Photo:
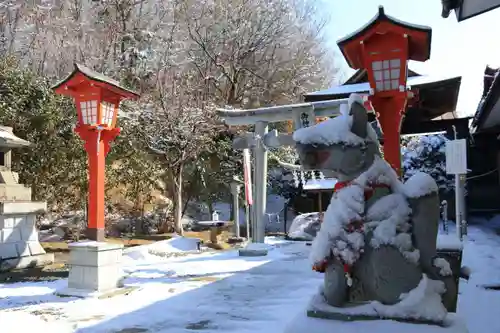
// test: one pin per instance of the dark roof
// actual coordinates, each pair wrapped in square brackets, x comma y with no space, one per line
[95,76]
[382,16]
[458,7]
[491,94]
[416,81]
[437,99]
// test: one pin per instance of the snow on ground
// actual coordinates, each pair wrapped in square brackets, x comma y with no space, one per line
[480,306]
[222,292]
[150,252]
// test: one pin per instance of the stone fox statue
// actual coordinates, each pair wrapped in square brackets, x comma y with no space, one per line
[378,236]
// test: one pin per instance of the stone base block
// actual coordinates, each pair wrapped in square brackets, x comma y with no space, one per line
[303,323]
[82,293]
[40,260]
[416,312]
[95,267]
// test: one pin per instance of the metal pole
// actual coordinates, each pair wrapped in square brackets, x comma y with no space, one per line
[459,197]
[444,215]
[260,182]
[235,188]
[460,204]
[253,216]
[247,219]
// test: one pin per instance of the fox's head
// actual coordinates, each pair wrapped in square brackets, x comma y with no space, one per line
[342,147]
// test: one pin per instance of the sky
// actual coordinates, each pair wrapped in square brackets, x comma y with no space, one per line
[458,49]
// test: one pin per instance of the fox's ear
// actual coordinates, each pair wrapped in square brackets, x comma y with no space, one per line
[359,115]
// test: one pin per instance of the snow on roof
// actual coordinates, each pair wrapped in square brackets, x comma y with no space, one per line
[319,184]
[8,139]
[365,87]
[313,180]
[449,242]
[381,15]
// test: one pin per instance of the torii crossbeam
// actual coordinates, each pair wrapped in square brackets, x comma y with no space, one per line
[302,115]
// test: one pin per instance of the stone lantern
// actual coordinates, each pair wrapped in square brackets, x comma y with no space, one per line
[383,47]
[19,245]
[95,264]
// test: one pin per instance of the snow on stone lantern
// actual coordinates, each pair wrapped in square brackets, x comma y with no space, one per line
[97,99]
[383,47]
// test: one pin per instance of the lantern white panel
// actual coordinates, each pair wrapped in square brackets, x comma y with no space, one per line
[395,63]
[377,65]
[93,105]
[83,111]
[395,73]
[387,74]
[107,111]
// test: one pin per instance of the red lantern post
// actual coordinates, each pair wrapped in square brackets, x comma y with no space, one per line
[383,47]
[97,101]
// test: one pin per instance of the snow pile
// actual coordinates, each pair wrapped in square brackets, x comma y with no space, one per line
[419,185]
[176,244]
[173,245]
[335,130]
[11,323]
[443,265]
[389,218]
[346,206]
[423,302]
[449,242]
[305,226]
[259,246]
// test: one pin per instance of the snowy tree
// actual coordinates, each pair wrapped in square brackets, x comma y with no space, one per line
[184,57]
[427,154]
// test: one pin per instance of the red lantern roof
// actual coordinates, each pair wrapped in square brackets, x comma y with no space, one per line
[82,78]
[419,38]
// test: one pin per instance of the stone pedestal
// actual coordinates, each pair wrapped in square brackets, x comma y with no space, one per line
[302,323]
[95,269]
[19,245]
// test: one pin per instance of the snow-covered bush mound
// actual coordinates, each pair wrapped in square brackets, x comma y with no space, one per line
[305,226]
[176,245]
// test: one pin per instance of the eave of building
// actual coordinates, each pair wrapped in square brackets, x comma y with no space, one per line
[472,9]
[487,116]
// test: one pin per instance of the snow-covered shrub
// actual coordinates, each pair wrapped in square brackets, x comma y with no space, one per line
[427,154]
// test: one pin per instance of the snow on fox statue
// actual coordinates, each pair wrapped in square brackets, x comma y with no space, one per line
[378,236]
